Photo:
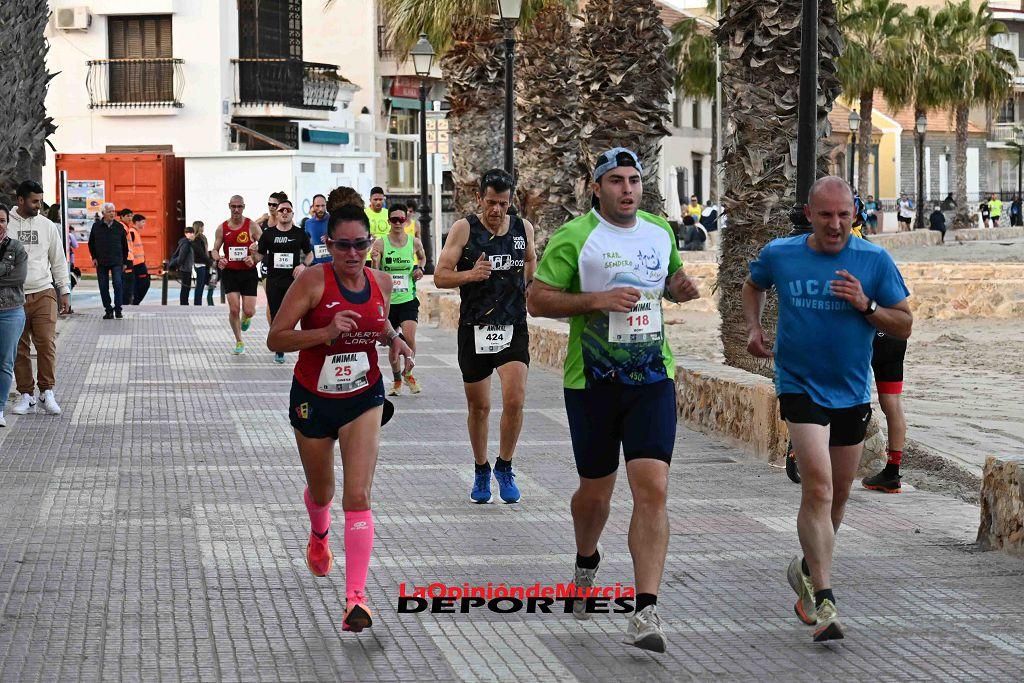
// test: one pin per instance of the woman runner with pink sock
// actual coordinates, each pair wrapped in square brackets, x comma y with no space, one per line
[338,394]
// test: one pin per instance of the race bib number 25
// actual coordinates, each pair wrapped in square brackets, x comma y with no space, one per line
[343,373]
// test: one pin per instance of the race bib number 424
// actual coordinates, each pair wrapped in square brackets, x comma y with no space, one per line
[492,338]
[642,324]
[343,373]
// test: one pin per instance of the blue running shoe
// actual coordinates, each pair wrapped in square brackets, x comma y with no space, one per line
[507,485]
[482,487]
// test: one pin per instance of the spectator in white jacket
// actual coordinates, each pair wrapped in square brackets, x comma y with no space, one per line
[47,281]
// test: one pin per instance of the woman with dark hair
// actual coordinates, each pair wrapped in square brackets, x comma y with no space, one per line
[13,271]
[338,393]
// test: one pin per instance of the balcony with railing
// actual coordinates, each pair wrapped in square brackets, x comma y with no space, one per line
[135,85]
[285,88]
[1006,132]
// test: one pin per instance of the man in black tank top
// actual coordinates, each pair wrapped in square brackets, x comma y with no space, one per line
[490,257]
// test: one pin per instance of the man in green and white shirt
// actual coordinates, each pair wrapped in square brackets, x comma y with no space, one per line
[609,271]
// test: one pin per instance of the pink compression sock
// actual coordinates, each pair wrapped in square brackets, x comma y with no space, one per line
[358,547]
[319,515]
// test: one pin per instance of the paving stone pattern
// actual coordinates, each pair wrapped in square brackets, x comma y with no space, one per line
[156,531]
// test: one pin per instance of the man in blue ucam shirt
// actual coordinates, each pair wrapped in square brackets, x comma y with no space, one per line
[316,227]
[834,292]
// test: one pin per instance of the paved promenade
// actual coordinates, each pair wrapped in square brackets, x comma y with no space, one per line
[156,530]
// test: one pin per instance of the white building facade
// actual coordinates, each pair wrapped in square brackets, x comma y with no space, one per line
[237,89]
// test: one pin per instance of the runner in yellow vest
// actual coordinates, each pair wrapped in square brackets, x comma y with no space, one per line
[397,253]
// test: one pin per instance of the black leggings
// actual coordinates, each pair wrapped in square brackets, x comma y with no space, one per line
[276,289]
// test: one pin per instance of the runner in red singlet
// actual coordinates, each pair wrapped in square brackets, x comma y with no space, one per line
[337,393]
[238,236]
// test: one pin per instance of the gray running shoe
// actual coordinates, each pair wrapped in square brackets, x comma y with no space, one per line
[644,630]
[583,578]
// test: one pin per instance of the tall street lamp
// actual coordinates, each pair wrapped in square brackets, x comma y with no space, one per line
[807,112]
[422,59]
[921,125]
[1018,137]
[508,12]
[854,126]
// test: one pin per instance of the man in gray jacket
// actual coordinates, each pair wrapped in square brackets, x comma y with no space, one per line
[47,280]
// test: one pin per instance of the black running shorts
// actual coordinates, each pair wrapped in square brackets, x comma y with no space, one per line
[887,363]
[477,367]
[316,417]
[604,417]
[400,313]
[847,425]
[244,282]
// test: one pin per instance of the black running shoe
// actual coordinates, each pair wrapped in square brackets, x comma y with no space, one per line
[792,470]
[886,482]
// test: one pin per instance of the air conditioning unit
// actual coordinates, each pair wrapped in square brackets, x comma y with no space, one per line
[73,19]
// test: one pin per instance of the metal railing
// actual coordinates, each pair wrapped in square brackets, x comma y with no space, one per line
[384,48]
[1006,132]
[128,83]
[290,82]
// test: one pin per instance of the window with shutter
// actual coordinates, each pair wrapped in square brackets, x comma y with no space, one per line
[140,49]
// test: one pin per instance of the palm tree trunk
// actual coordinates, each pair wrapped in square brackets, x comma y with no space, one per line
[714,153]
[547,122]
[864,142]
[962,219]
[23,80]
[625,101]
[760,40]
[473,70]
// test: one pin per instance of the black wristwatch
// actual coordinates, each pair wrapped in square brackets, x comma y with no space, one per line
[870,310]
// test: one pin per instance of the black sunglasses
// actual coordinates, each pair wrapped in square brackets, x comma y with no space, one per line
[272,206]
[396,220]
[344,245]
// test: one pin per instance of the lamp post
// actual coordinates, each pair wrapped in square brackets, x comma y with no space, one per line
[508,13]
[422,59]
[807,113]
[1018,135]
[854,126]
[921,125]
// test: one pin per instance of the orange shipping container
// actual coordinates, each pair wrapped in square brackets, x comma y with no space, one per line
[150,184]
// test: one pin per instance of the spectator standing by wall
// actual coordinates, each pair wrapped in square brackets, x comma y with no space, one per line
[108,245]
[182,261]
[13,271]
[201,259]
[140,272]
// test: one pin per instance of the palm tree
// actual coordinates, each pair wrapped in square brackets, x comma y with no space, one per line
[873,30]
[625,82]
[23,80]
[692,50]
[976,72]
[547,120]
[472,65]
[760,43]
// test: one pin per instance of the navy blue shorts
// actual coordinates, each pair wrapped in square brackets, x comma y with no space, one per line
[316,417]
[641,420]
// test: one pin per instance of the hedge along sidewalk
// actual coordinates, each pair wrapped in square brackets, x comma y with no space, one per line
[731,404]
